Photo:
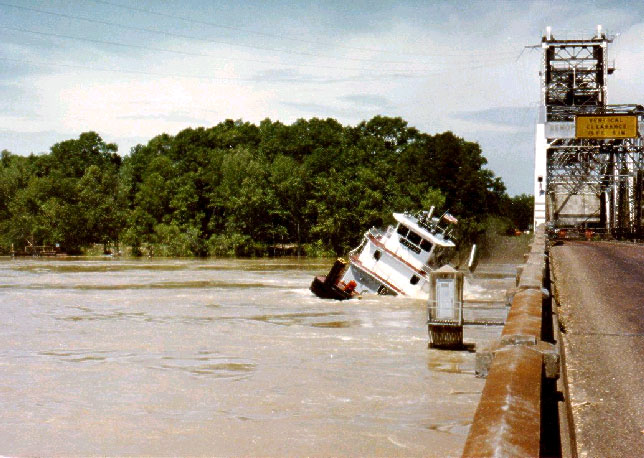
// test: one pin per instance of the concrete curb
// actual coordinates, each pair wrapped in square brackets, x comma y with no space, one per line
[566,420]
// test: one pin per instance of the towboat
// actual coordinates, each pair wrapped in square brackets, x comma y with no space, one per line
[394,262]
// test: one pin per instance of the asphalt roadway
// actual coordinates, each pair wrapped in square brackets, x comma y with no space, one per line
[600,290]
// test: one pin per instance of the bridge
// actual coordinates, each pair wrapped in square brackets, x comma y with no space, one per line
[565,379]
[589,166]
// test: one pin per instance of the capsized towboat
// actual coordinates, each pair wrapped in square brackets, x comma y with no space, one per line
[396,261]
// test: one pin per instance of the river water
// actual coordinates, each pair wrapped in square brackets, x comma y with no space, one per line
[222,357]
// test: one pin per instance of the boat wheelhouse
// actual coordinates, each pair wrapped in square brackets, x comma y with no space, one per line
[395,261]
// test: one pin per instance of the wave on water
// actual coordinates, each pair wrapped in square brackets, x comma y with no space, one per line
[155,285]
[98,267]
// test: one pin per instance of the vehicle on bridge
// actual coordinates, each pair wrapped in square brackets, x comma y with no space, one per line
[392,262]
[556,233]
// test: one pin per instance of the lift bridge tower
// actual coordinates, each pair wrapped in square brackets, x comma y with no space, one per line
[589,156]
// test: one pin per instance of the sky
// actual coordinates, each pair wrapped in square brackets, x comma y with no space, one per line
[133,69]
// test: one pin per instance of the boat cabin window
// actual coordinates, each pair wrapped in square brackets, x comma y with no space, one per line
[414,238]
[376,255]
[414,279]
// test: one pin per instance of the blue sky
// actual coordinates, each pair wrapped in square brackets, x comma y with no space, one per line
[133,69]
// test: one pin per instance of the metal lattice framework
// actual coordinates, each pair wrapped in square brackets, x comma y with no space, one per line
[590,183]
[575,75]
[609,173]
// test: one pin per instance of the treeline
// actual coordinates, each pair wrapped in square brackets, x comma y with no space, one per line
[243,189]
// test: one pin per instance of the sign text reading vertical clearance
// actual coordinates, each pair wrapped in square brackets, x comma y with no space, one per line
[613,126]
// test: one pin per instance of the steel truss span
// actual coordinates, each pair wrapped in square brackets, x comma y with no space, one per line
[590,183]
[596,185]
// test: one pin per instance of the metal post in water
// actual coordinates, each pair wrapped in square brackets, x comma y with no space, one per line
[445,308]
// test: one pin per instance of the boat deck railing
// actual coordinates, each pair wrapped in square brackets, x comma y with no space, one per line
[378,233]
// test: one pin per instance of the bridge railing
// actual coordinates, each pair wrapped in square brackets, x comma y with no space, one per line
[507,421]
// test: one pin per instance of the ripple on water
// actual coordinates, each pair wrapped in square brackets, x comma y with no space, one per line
[460,428]
[304,318]
[201,363]
[194,284]
[78,356]
[451,363]
[207,365]
[93,316]
[96,266]
[336,324]
[143,317]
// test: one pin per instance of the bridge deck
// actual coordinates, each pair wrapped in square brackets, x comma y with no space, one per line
[600,289]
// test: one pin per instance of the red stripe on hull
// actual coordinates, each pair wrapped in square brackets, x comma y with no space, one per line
[380,245]
[359,265]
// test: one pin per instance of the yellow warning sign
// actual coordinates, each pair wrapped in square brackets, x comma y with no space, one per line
[612,126]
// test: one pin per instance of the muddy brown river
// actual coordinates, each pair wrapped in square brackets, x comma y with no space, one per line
[223,357]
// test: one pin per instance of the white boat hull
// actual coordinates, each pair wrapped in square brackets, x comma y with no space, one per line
[396,261]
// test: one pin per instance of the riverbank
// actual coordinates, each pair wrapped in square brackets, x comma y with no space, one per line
[494,248]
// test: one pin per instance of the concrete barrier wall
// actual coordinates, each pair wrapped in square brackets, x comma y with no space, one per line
[524,321]
[507,421]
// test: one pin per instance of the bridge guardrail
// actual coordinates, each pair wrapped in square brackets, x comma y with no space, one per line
[507,421]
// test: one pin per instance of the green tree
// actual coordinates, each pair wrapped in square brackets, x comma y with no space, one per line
[100,205]
[521,211]
[72,157]
[240,188]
